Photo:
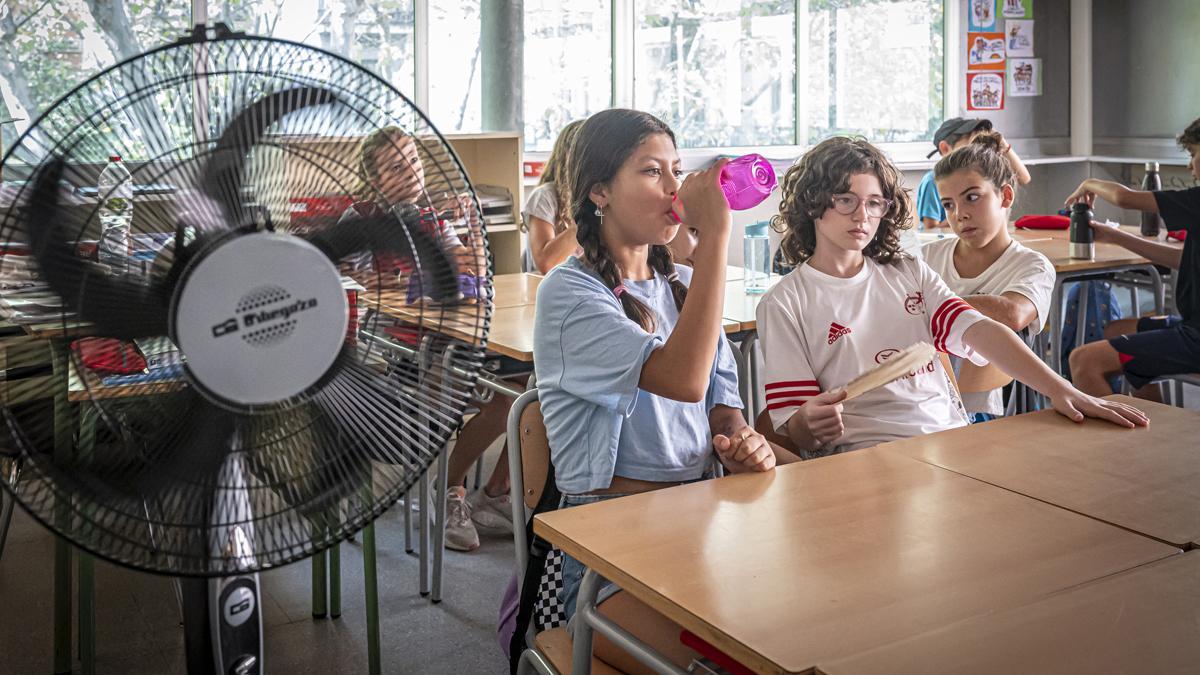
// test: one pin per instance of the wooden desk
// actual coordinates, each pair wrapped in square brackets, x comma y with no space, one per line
[1144,480]
[828,558]
[515,290]
[1140,621]
[741,306]
[1107,256]
[87,387]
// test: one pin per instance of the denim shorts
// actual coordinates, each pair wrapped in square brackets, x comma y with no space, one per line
[572,569]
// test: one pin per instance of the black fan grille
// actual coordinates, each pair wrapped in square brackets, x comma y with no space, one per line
[159,476]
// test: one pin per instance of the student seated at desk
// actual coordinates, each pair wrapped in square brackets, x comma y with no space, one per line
[636,381]
[545,216]
[395,174]
[854,300]
[1150,347]
[985,266]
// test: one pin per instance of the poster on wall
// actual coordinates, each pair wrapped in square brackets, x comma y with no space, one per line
[1016,9]
[1024,77]
[981,15]
[985,91]
[1020,37]
[985,51]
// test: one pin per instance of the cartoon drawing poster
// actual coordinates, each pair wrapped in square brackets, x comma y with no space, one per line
[1020,37]
[985,51]
[985,91]
[1016,9]
[981,15]
[1024,77]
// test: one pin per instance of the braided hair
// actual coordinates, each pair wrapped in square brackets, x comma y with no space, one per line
[604,142]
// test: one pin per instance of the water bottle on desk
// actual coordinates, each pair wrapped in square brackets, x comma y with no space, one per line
[757,257]
[114,188]
[1151,222]
[1083,246]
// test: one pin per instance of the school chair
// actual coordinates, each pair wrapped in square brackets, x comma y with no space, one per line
[1171,387]
[973,379]
[549,652]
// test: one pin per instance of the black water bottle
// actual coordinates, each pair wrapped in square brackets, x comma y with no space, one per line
[1083,246]
[1151,222]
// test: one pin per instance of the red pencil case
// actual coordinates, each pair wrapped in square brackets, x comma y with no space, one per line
[109,355]
[1043,222]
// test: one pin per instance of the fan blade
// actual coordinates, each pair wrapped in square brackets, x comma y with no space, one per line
[118,307]
[223,172]
[402,232]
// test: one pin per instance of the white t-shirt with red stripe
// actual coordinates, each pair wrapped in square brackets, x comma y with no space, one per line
[818,332]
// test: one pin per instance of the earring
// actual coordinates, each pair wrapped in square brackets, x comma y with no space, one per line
[600,214]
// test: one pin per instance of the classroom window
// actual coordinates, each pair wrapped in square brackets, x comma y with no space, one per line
[455,65]
[568,65]
[46,48]
[720,72]
[874,68]
[379,34]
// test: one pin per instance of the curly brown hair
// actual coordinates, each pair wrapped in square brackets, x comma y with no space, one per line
[824,171]
[1190,135]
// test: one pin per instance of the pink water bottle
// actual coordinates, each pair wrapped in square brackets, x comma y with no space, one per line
[747,181]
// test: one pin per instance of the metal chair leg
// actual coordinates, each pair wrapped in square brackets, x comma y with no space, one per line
[408,527]
[423,528]
[439,530]
[371,586]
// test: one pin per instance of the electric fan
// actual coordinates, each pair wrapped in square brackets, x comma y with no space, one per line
[275,429]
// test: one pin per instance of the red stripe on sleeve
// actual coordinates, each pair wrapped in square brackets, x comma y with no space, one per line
[793,383]
[790,403]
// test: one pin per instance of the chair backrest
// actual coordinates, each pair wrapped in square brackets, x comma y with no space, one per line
[528,463]
[978,379]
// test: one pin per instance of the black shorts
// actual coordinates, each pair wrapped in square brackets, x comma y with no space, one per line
[1162,345]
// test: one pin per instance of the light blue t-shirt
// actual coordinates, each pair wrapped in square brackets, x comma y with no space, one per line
[929,203]
[588,359]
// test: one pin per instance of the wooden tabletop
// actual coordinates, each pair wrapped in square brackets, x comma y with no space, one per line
[88,387]
[1141,621]
[825,559]
[515,290]
[1144,480]
[740,306]
[1107,256]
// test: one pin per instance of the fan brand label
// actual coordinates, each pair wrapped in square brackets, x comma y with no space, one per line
[264,316]
[263,323]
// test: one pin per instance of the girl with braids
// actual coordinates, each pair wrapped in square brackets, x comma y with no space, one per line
[546,215]
[994,273]
[854,300]
[636,381]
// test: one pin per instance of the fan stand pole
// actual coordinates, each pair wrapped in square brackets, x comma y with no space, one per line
[197,631]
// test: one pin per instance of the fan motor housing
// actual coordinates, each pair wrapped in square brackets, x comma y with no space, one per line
[248,306]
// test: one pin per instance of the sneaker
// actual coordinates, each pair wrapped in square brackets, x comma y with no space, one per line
[493,513]
[460,531]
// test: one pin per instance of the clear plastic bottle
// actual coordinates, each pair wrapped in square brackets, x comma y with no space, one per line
[757,257]
[115,191]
